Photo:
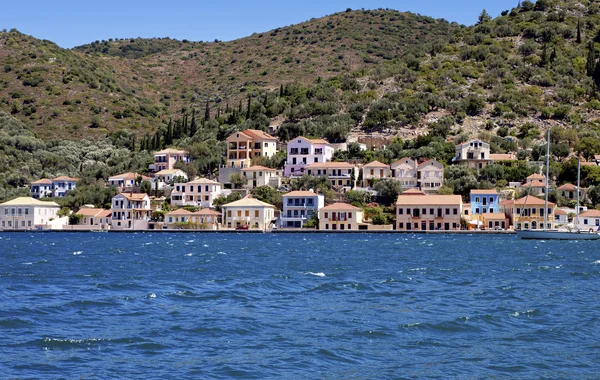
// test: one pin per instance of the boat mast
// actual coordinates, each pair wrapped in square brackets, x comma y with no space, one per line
[547,174]
[578,180]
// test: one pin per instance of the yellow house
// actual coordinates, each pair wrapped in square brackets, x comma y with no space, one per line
[342,175]
[261,176]
[375,170]
[420,212]
[340,217]
[248,213]
[243,146]
[528,213]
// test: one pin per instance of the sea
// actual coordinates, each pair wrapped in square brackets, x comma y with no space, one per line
[297,306]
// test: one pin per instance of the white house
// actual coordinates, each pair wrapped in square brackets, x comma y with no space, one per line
[93,219]
[375,171]
[405,171]
[342,175]
[474,153]
[302,152]
[589,219]
[430,176]
[130,211]
[165,159]
[126,181]
[299,207]
[41,188]
[200,192]
[57,187]
[261,176]
[164,177]
[26,213]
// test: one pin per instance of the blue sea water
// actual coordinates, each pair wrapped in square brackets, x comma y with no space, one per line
[285,306]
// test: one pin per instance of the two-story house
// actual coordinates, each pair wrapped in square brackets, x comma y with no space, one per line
[529,213]
[374,171]
[127,181]
[248,213]
[430,176]
[261,176]
[130,211]
[243,146]
[200,192]
[484,201]
[474,153]
[302,152]
[299,207]
[41,188]
[164,177]
[416,211]
[589,219]
[405,171]
[166,159]
[26,213]
[569,191]
[340,217]
[93,219]
[342,175]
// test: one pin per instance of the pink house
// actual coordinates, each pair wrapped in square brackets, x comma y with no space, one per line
[302,152]
[165,159]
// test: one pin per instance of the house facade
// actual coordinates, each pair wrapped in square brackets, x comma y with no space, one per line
[130,211]
[243,146]
[261,176]
[26,213]
[475,154]
[93,219]
[416,211]
[589,219]
[57,187]
[340,217]
[126,181]
[200,192]
[302,152]
[484,201]
[405,171]
[430,176]
[41,188]
[374,171]
[342,175]
[206,219]
[529,213]
[166,159]
[164,178]
[248,213]
[299,207]
[569,191]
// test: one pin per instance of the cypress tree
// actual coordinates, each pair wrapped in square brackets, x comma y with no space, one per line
[591,59]
[133,143]
[207,112]
[578,31]
[240,107]
[227,110]
[218,112]
[193,125]
[248,109]
[596,75]
[169,136]
[281,90]
[266,99]
[553,55]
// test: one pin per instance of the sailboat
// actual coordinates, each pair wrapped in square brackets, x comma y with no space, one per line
[558,234]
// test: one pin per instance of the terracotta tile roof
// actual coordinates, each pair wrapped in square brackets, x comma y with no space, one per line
[596,156]
[590,214]
[536,176]
[169,171]
[257,134]
[502,157]
[134,196]
[204,181]
[412,191]
[535,183]
[560,211]
[341,207]
[318,141]
[256,168]
[43,181]
[568,187]
[89,211]
[104,214]
[65,178]
[376,164]
[405,160]
[170,151]
[484,191]
[429,163]
[123,176]
[28,201]
[326,165]
[300,193]
[442,200]
[588,164]
[206,211]
[494,216]
[531,200]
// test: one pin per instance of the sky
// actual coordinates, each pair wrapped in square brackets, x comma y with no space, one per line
[71,23]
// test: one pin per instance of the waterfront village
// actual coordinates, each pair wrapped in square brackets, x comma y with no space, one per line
[172,201]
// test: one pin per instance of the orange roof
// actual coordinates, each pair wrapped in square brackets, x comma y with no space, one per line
[502,157]
[134,196]
[207,211]
[90,211]
[531,200]
[341,207]
[65,178]
[257,134]
[124,176]
[412,191]
[494,216]
[536,176]
[591,214]
[104,214]
[568,187]
[560,211]
[442,200]
[536,183]
[429,162]
[340,165]
[256,168]
[43,181]
[588,164]
[376,164]
[178,212]
[318,141]
[484,191]
[300,193]
[203,181]
[405,160]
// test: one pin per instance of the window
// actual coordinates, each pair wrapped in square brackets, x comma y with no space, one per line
[400,226]
[476,199]
[349,215]
[455,211]
[256,212]
[349,226]
[424,211]
[476,210]
[400,211]
[326,215]
[326,226]
[447,211]
[229,213]
[247,213]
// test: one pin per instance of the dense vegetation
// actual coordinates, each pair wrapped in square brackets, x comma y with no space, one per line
[415,84]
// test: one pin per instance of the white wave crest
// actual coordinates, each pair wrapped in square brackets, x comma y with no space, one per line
[77,252]
[318,274]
